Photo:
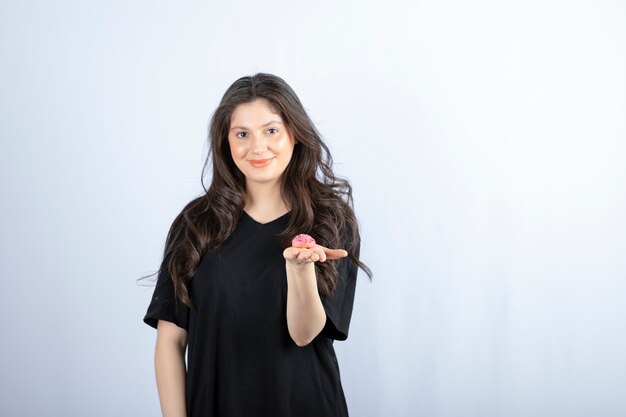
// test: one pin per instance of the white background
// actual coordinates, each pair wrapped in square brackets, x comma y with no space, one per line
[485,142]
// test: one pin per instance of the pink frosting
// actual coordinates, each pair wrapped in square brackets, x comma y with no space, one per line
[303,241]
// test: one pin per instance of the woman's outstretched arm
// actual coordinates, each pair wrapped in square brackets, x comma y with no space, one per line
[169,365]
[306,316]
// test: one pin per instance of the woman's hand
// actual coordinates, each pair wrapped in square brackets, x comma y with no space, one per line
[319,253]
[306,316]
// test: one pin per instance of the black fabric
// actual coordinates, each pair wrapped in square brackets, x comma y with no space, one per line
[241,360]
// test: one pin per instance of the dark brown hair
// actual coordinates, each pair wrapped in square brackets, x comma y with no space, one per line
[320,203]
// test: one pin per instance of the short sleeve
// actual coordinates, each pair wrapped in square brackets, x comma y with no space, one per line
[163,305]
[338,305]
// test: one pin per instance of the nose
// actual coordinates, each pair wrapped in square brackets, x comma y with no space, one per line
[259,144]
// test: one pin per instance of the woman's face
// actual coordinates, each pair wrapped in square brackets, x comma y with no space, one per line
[259,142]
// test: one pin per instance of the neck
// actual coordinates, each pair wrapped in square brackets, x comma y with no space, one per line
[264,198]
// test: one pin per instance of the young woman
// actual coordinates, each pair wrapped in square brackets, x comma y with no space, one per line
[256,315]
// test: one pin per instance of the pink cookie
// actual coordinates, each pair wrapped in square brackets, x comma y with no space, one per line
[303,241]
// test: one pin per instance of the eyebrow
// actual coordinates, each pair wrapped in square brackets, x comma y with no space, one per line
[266,124]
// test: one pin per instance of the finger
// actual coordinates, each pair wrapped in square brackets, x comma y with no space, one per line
[325,249]
[335,253]
[316,255]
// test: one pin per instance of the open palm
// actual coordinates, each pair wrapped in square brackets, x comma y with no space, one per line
[308,255]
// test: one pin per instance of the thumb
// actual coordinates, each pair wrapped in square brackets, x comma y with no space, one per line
[336,253]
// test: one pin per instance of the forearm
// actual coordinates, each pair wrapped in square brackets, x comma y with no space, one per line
[169,364]
[305,313]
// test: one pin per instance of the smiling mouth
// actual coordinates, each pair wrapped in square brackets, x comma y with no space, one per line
[260,162]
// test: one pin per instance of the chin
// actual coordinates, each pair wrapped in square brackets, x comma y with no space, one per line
[262,178]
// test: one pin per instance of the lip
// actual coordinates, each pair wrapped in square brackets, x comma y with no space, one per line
[258,163]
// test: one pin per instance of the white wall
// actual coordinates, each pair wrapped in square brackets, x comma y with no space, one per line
[485,142]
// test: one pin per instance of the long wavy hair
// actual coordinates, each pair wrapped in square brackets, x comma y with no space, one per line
[320,203]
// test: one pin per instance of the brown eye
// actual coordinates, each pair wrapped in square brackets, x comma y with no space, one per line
[237,135]
[272,128]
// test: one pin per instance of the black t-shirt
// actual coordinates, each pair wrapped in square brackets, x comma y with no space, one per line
[241,361]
